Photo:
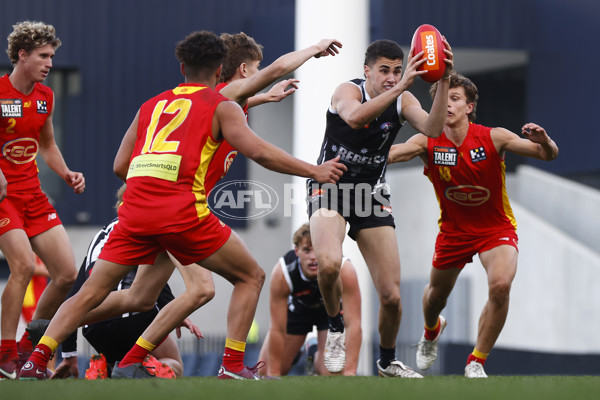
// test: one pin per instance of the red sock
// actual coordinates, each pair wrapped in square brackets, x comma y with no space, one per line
[137,354]
[41,355]
[431,334]
[8,350]
[24,345]
[473,358]
[233,360]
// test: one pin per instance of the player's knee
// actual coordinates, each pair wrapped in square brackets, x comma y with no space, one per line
[390,300]
[500,291]
[329,272]
[64,281]
[143,304]
[21,270]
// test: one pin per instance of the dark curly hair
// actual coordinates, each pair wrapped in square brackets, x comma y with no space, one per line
[28,36]
[201,52]
[458,80]
[241,48]
[383,48]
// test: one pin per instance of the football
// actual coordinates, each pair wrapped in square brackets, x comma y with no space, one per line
[428,39]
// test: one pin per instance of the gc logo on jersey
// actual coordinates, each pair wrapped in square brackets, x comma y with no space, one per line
[20,151]
[11,108]
[42,106]
[477,154]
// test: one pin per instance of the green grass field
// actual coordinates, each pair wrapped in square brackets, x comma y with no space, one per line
[301,387]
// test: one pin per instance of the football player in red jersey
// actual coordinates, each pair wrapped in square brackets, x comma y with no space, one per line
[28,222]
[163,157]
[466,167]
[241,80]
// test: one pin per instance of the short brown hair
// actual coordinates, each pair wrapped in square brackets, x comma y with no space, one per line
[29,35]
[458,80]
[241,48]
[300,234]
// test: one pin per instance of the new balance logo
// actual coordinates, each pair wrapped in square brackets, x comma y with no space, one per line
[51,216]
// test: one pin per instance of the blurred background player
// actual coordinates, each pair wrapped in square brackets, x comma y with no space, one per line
[30,224]
[465,159]
[160,135]
[296,306]
[363,119]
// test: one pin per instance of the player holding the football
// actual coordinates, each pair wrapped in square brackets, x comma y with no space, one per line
[362,121]
[28,222]
[468,160]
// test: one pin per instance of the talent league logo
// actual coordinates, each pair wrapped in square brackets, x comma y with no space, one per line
[11,108]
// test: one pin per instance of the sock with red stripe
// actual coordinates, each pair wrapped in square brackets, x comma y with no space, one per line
[138,352]
[432,333]
[478,356]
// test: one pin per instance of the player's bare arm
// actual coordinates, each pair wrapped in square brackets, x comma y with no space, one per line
[413,147]
[278,92]
[230,120]
[53,157]
[121,163]
[347,98]
[241,89]
[536,144]
[279,292]
[351,301]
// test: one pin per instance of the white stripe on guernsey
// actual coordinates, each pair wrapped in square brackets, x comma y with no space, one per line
[286,274]
[98,243]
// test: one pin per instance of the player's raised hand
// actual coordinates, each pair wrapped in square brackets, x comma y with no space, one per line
[282,89]
[328,47]
[330,171]
[535,133]
[449,60]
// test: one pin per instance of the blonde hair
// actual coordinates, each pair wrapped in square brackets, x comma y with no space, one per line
[302,233]
[29,35]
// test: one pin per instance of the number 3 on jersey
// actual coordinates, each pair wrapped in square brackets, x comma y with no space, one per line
[156,142]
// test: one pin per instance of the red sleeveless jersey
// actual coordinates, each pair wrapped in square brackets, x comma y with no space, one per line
[168,168]
[21,120]
[223,157]
[469,182]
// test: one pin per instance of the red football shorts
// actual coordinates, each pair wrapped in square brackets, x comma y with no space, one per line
[191,245]
[31,212]
[455,251]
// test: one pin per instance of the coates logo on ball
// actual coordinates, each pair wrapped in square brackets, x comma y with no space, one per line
[428,39]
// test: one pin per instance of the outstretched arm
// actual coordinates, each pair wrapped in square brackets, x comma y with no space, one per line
[431,124]
[413,147]
[230,120]
[242,89]
[536,144]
